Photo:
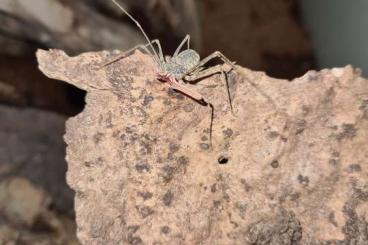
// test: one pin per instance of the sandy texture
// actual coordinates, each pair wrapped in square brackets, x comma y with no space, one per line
[293,157]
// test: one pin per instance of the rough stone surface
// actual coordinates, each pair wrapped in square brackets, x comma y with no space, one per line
[289,167]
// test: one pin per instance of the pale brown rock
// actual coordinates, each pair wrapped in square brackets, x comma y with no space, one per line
[294,156]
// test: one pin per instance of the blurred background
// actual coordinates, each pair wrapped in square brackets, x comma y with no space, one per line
[283,38]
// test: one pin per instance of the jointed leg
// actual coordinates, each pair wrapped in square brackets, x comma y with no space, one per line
[215,54]
[186,39]
[157,42]
[198,97]
[141,47]
[200,73]
[174,84]
[211,121]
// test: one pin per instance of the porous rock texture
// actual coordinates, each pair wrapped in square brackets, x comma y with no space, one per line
[288,167]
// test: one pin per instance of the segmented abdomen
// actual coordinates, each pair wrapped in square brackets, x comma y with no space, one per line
[188,59]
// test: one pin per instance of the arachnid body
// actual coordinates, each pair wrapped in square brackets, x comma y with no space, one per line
[183,66]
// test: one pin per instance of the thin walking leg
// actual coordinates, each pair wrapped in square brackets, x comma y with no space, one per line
[215,54]
[186,39]
[199,74]
[211,122]
[139,47]
[174,84]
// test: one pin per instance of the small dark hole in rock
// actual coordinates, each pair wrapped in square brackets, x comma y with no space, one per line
[275,164]
[223,160]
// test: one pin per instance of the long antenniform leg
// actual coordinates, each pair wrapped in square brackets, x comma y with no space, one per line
[139,47]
